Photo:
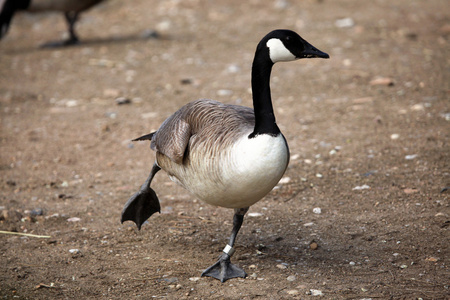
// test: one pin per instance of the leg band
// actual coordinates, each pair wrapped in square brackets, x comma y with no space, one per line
[229,250]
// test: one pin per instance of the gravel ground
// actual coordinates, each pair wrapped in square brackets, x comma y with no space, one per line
[361,213]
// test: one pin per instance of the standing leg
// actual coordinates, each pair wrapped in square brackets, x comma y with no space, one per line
[71,18]
[223,269]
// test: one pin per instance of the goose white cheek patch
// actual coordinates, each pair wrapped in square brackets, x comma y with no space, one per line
[278,52]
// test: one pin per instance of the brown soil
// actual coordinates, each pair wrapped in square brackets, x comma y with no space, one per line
[375,115]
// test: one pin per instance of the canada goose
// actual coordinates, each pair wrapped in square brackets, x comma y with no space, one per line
[225,155]
[70,8]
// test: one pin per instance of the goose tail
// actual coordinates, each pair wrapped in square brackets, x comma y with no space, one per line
[145,137]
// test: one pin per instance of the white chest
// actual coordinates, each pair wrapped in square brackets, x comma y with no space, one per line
[243,174]
[259,159]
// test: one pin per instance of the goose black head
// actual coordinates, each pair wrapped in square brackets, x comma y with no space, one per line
[286,45]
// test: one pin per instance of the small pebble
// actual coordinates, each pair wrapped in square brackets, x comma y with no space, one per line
[313,245]
[171,279]
[255,214]
[410,191]
[291,278]
[292,292]
[411,156]
[186,81]
[37,212]
[352,263]
[317,210]
[71,103]
[122,101]
[281,266]
[418,107]
[347,62]
[316,292]
[233,69]
[74,251]
[382,81]
[344,23]
[111,115]
[284,180]
[150,34]
[224,92]
[164,25]
[194,279]
[362,187]
[395,136]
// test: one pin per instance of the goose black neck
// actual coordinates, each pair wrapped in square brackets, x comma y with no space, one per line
[262,100]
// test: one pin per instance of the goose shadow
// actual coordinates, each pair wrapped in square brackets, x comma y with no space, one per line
[146,35]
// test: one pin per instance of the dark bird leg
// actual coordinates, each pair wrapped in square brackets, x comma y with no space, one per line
[223,269]
[143,204]
[71,19]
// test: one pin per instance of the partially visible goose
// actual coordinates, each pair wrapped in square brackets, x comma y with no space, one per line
[225,155]
[70,8]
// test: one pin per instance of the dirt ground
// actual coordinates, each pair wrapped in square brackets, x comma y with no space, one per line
[368,130]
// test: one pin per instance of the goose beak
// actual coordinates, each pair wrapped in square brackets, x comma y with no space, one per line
[312,52]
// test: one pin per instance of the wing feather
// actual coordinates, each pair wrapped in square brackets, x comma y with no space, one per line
[203,125]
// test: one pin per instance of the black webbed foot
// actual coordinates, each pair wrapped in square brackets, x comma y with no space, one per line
[223,269]
[143,204]
[140,207]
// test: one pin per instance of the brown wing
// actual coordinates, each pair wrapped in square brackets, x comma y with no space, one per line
[172,137]
[202,123]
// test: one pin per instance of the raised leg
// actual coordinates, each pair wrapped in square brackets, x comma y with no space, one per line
[143,204]
[223,269]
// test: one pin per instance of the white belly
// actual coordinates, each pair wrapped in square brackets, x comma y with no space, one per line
[242,174]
